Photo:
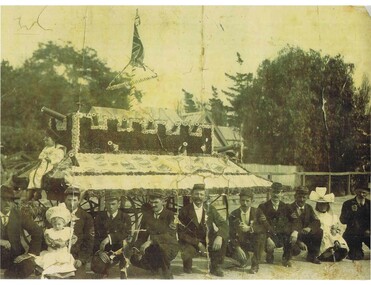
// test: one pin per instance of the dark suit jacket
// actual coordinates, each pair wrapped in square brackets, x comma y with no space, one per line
[161,231]
[118,229]
[192,232]
[17,223]
[356,218]
[236,236]
[277,222]
[84,230]
[307,219]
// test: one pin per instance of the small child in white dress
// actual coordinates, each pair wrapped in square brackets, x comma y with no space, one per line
[333,245]
[57,259]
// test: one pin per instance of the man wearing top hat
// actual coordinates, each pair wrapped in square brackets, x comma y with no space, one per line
[156,243]
[306,227]
[83,229]
[14,258]
[276,224]
[247,232]
[355,214]
[49,157]
[112,227]
[201,229]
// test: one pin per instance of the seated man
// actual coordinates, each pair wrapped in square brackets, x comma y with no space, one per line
[247,232]
[202,229]
[355,213]
[276,224]
[157,238]
[112,227]
[306,227]
[14,258]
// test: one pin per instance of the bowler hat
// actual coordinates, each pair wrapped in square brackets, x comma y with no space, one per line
[246,192]
[363,186]
[7,193]
[110,196]
[276,187]
[301,190]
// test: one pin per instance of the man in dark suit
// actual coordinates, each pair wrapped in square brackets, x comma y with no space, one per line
[247,232]
[201,229]
[112,227]
[14,258]
[83,229]
[277,225]
[355,213]
[306,227]
[156,241]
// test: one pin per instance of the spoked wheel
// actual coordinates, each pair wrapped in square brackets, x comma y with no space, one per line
[220,202]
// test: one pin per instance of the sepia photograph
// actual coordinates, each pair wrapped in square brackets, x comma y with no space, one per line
[195,141]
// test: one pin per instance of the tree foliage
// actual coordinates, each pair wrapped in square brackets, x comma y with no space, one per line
[57,77]
[299,109]
[189,104]
[218,110]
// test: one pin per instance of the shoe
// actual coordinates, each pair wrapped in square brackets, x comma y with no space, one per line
[270,258]
[123,275]
[217,272]
[286,263]
[187,270]
[244,264]
[166,274]
[254,270]
[314,260]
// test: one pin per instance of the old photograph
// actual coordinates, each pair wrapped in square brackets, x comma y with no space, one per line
[183,142]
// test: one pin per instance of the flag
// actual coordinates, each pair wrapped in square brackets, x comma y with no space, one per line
[137,50]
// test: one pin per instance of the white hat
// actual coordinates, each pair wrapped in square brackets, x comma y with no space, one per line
[60,212]
[320,196]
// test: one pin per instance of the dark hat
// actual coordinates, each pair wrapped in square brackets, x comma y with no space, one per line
[100,262]
[276,187]
[199,186]
[156,194]
[363,186]
[7,193]
[72,191]
[51,133]
[301,190]
[110,196]
[247,192]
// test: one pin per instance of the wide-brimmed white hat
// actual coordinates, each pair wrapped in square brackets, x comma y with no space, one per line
[60,212]
[320,196]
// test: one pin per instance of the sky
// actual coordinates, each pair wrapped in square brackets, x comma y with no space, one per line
[175,36]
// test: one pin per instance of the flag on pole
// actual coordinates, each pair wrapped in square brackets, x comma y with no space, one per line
[137,50]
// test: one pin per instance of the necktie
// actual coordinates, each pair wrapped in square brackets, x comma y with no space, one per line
[245,218]
[157,216]
[5,220]
[300,210]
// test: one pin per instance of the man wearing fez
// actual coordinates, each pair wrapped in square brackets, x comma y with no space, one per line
[14,258]
[201,229]
[83,228]
[247,232]
[276,224]
[112,227]
[306,227]
[355,214]
[156,240]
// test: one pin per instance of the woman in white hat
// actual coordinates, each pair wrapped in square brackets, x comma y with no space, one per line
[333,246]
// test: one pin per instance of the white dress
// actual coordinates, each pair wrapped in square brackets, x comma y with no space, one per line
[55,154]
[328,220]
[57,260]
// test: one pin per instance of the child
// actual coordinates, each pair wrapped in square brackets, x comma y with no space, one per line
[333,245]
[57,259]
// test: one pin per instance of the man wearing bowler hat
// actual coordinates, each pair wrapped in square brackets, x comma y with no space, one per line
[276,224]
[156,243]
[112,227]
[14,258]
[306,227]
[83,228]
[201,229]
[355,214]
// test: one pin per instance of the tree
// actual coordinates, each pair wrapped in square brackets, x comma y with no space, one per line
[57,77]
[218,110]
[189,103]
[299,109]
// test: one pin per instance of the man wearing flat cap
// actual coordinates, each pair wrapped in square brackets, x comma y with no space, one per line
[201,229]
[112,227]
[246,231]
[355,214]
[18,262]
[156,241]
[276,224]
[83,228]
[306,227]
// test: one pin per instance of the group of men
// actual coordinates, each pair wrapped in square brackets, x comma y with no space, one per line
[197,230]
